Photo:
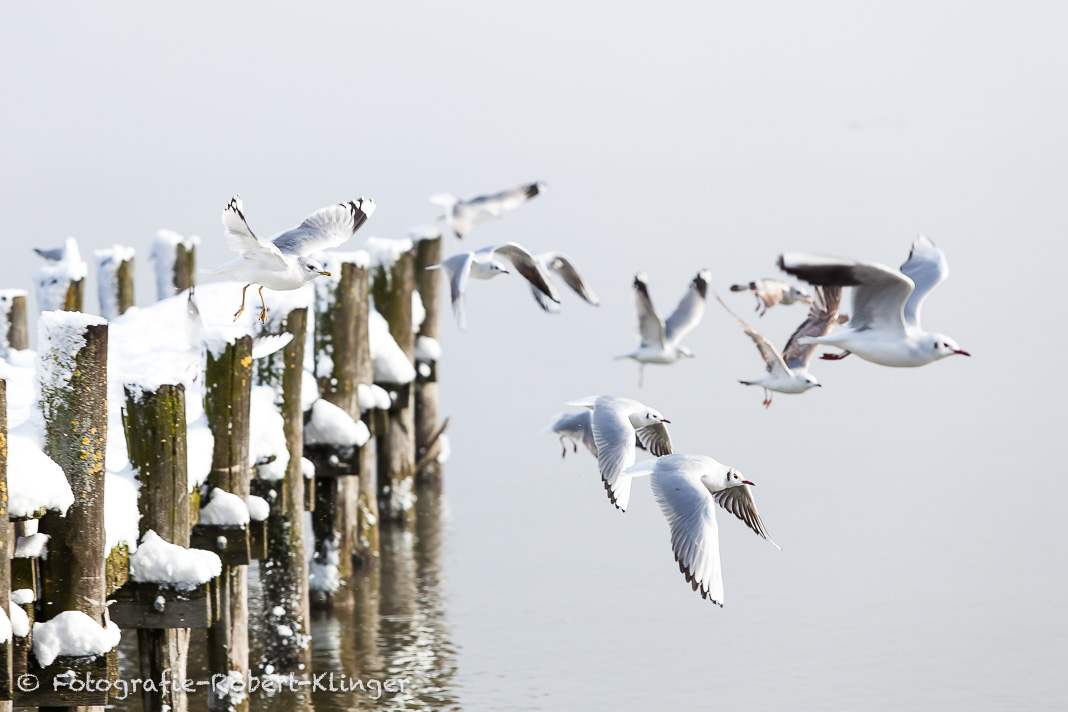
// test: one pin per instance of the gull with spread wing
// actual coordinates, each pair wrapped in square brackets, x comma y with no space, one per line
[884,327]
[576,428]
[770,292]
[788,371]
[660,339]
[688,488]
[485,264]
[462,215]
[617,423]
[283,262]
[562,265]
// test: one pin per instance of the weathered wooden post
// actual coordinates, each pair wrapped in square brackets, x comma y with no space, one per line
[155,439]
[392,284]
[72,369]
[7,531]
[228,386]
[115,280]
[14,334]
[175,258]
[284,571]
[427,353]
[61,281]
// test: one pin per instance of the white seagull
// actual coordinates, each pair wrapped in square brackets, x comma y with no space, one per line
[575,429]
[884,327]
[485,264]
[68,253]
[617,424]
[688,488]
[788,371]
[660,339]
[770,292]
[282,262]
[462,215]
[562,265]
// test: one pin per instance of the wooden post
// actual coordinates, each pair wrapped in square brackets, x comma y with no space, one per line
[61,285]
[175,258]
[13,331]
[6,550]
[115,280]
[155,441]
[392,288]
[228,386]
[284,572]
[428,283]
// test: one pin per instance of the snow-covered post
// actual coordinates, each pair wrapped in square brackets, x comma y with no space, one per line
[115,280]
[427,353]
[284,571]
[155,440]
[228,388]
[13,331]
[6,550]
[61,281]
[72,368]
[176,258]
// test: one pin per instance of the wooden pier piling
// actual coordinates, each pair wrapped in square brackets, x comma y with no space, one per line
[427,419]
[176,260]
[115,280]
[13,327]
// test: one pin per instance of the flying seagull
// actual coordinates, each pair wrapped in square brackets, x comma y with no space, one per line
[787,372]
[577,428]
[688,488]
[485,264]
[561,264]
[660,339]
[462,215]
[282,262]
[616,424]
[885,322]
[770,292]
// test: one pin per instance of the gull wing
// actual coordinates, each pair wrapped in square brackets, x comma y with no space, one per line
[614,438]
[822,317]
[510,199]
[562,265]
[739,502]
[879,293]
[773,361]
[325,228]
[528,266]
[690,512]
[655,439]
[578,427]
[242,240]
[690,309]
[650,325]
[927,268]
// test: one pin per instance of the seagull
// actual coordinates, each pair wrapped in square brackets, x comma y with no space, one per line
[660,339]
[485,264]
[688,488]
[282,262]
[576,428]
[462,215]
[68,253]
[885,324]
[770,292]
[562,265]
[788,371]
[616,424]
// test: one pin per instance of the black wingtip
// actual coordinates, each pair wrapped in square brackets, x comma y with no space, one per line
[701,284]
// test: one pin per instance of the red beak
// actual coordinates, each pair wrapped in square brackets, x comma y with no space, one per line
[962,352]
[747,482]
[664,420]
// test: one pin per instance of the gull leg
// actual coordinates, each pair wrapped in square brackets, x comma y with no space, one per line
[263,305]
[767,399]
[835,357]
[563,447]
[242,309]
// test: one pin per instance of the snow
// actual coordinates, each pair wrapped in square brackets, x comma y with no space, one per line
[309,390]
[107,267]
[7,302]
[323,573]
[419,233]
[121,515]
[424,369]
[22,596]
[157,561]
[372,396]
[307,468]
[34,546]
[225,509]
[444,448]
[384,252]
[53,278]
[418,311]
[72,633]
[34,481]
[60,336]
[278,611]
[267,437]
[331,425]
[391,365]
[258,509]
[20,622]
[162,253]
[427,348]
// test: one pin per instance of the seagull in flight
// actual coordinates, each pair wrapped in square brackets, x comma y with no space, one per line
[885,324]
[688,488]
[576,429]
[787,372]
[486,264]
[561,265]
[462,215]
[282,262]
[618,423]
[660,339]
[770,292]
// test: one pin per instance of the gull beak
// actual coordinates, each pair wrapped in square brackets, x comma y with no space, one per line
[819,385]
[962,352]
[747,482]
[504,271]
[326,274]
[664,420]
